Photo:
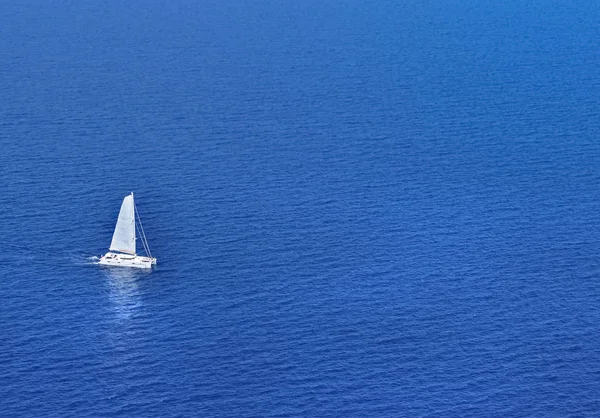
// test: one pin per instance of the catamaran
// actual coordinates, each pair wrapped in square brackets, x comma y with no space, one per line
[122,247]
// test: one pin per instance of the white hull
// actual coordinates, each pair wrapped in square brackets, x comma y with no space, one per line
[126,260]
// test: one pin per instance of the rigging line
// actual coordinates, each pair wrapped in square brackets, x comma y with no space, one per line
[137,227]
[144,240]
[144,243]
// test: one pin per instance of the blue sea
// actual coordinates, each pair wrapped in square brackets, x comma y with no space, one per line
[359,209]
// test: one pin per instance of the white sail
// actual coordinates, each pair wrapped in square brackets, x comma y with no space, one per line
[124,237]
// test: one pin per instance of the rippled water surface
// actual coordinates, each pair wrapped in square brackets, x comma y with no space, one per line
[360,209]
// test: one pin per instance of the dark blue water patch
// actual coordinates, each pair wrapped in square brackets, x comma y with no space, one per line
[376,210]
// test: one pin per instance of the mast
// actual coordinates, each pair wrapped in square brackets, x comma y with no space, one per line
[133,203]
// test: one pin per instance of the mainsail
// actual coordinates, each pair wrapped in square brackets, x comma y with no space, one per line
[124,237]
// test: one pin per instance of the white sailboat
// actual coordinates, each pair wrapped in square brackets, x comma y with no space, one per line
[122,247]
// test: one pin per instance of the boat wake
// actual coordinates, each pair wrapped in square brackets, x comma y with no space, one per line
[89,260]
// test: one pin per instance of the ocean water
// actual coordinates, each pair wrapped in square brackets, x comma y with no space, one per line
[378,208]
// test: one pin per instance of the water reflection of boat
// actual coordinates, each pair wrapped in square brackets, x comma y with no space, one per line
[124,291]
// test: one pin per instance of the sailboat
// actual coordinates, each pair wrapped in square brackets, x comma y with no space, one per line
[122,247]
